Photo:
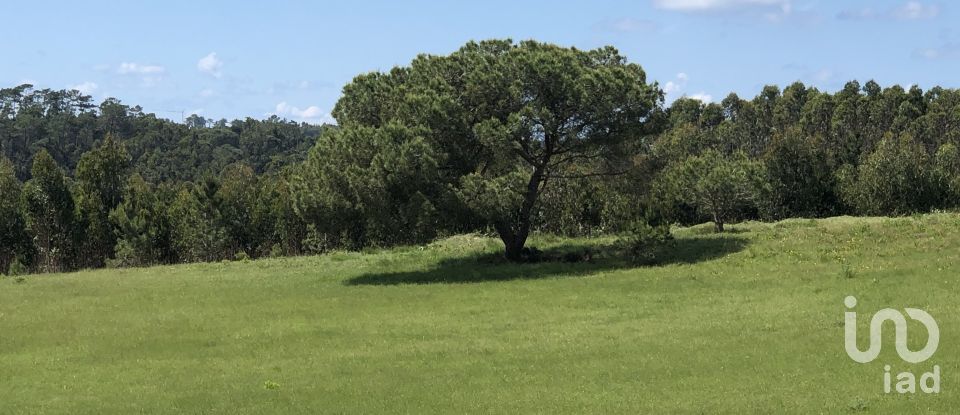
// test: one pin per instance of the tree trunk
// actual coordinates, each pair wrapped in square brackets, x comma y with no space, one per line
[513,249]
[514,236]
[717,225]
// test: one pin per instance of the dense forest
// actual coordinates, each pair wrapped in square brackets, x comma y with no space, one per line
[499,137]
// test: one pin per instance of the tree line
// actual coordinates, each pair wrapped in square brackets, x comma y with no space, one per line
[501,137]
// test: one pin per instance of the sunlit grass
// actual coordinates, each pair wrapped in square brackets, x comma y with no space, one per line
[750,321]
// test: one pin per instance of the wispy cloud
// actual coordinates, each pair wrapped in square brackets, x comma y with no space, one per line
[770,10]
[821,77]
[713,5]
[947,50]
[702,97]
[676,88]
[312,114]
[914,10]
[911,10]
[133,68]
[676,85]
[210,65]
[284,87]
[150,75]
[85,88]
[697,6]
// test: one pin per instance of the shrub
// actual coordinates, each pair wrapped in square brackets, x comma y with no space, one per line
[17,268]
[315,242]
[241,256]
[126,256]
[896,179]
[645,243]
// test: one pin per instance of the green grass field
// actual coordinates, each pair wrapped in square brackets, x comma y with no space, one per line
[746,322]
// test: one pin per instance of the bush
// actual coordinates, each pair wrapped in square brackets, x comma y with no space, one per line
[241,256]
[126,256]
[315,242]
[896,179]
[17,268]
[717,185]
[645,243]
[276,251]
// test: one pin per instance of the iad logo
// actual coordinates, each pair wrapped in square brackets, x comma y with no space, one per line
[906,381]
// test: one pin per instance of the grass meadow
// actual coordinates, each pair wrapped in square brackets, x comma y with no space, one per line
[750,321]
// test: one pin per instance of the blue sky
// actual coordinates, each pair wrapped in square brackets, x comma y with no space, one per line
[236,59]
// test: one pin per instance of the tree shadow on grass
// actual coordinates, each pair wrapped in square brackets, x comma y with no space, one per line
[571,260]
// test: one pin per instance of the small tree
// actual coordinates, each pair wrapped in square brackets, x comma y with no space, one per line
[142,226]
[947,175]
[13,236]
[49,209]
[717,186]
[798,173]
[236,198]
[101,176]
[196,234]
[895,179]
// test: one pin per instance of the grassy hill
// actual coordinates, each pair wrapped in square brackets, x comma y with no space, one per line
[750,321]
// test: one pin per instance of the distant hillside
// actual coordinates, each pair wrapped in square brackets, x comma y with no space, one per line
[68,124]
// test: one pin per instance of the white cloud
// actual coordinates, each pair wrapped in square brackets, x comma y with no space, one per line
[702,97]
[927,53]
[914,10]
[674,88]
[85,88]
[859,14]
[718,5]
[207,93]
[312,114]
[774,11]
[132,68]
[670,87]
[150,75]
[911,10]
[211,65]
[948,50]
[823,75]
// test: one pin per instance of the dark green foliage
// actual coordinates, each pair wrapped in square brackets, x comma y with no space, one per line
[283,229]
[495,121]
[896,179]
[236,198]
[196,234]
[717,186]
[17,268]
[101,176]
[14,240]
[498,136]
[365,185]
[799,179]
[947,174]
[50,214]
[67,124]
[142,225]
[646,242]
